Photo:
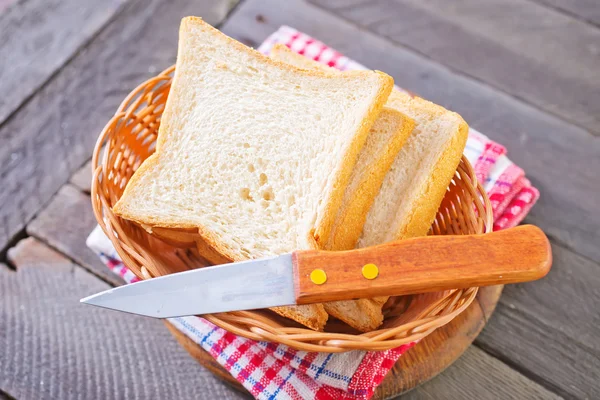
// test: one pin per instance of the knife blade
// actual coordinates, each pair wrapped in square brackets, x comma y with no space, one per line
[409,266]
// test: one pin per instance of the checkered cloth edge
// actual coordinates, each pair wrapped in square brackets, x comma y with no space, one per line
[270,370]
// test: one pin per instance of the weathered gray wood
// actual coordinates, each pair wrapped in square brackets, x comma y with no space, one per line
[477,375]
[561,159]
[5,4]
[65,225]
[527,50]
[53,347]
[56,130]
[551,328]
[587,10]
[82,179]
[39,37]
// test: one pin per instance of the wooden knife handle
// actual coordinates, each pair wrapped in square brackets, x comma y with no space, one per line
[423,264]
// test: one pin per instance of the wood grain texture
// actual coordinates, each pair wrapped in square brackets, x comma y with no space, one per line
[39,37]
[56,130]
[586,10]
[65,225]
[52,347]
[477,375]
[82,179]
[560,159]
[525,49]
[428,264]
[550,329]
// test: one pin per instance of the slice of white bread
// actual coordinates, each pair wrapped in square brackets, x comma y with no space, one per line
[416,183]
[387,136]
[413,189]
[253,153]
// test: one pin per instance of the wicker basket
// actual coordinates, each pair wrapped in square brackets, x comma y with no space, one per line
[129,138]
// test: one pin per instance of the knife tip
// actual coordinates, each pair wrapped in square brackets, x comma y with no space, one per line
[84,300]
[88,299]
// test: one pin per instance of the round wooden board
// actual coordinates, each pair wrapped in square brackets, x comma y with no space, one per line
[424,361]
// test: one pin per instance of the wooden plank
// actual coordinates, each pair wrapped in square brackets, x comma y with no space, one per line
[57,348]
[56,130]
[586,10]
[82,179]
[477,375]
[551,328]
[527,50]
[560,159]
[39,37]
[65,225]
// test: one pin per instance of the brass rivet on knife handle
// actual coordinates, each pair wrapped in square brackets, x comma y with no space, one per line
[370,271]
[318,276]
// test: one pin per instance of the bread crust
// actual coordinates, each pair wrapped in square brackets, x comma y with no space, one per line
[426,205]
[325,222]
[352,214]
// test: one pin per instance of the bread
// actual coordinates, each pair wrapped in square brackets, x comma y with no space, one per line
[414,187]
[253,153]
[416,183]
[387,136]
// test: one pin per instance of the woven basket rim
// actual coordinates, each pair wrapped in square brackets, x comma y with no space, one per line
[142,108]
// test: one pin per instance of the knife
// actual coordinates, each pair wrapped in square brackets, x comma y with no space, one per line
[411,266]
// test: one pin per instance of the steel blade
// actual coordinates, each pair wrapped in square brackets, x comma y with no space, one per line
[243,285]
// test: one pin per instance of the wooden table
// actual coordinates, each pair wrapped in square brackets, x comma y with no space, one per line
[524,72]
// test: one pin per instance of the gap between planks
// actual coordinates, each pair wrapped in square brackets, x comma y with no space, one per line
[577,9]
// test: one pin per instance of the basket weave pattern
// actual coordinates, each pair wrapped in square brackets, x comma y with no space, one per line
[129,138]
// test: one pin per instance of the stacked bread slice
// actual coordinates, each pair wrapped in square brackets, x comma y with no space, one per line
[258,156]
[416,181]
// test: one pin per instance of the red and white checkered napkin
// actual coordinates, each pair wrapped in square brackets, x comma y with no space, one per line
[269,370]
